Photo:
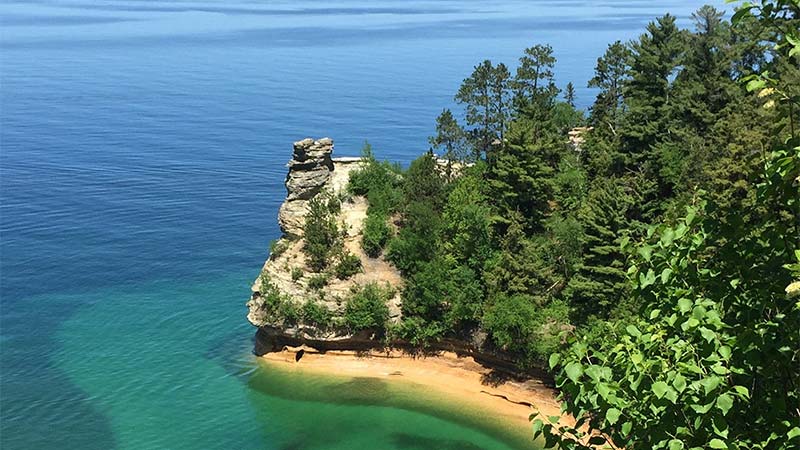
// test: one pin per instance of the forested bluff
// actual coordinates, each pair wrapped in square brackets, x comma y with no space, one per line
[645,254]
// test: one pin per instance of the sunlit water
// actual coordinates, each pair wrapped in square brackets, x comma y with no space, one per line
[142,151]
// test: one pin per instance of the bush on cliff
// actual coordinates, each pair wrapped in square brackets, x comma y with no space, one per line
[373,176]
[280,307]
[366,308]
[348,265]
[316,314]
[321,232]
[376,234]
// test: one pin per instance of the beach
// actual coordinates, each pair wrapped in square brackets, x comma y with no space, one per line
[478,393]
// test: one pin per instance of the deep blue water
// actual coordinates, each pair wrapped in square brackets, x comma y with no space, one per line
[142,152]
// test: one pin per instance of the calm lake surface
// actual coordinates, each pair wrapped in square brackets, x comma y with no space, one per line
[142,152]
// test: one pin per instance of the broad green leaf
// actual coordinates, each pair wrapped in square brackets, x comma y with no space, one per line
[554,359]
[679,382]
[574,371]
[613,415]
[724,403]
[675,444]
[743,391]
[646,251]
[710,383]
[717,444]
[633,331]
[793,433]
[667,236]
[660,388]
[707,334]
[756,84]
[626,428]
[537,428]
[665,274]
[685,305]
[647,279]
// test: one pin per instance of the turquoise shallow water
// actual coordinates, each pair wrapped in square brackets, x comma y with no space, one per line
[142,152]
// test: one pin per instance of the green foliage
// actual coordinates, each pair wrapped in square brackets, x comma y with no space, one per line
[377,181]
[424,183]
[278,247]
[316,314]
[445,293]
[485,95]
[417,331]
[375,235]
[297,273]
[348,265]
[467,221]
[279,307]
[600,282]
[366,309]
[518,180]
[450,140]
[321,231]
[710,360]
[319,281]
[518,325]
[417,241]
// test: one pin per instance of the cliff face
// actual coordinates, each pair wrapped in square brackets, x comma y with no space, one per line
[312,171]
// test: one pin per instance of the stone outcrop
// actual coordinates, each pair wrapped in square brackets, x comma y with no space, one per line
[312,170]
[309,171]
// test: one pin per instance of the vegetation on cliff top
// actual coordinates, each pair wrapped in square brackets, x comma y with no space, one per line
[652,266]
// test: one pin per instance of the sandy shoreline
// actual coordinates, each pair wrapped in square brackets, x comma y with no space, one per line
[447,376]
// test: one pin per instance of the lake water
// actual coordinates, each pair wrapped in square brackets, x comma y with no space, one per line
[142,152]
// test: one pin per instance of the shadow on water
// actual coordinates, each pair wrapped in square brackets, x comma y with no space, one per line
[406,441]
[42,409]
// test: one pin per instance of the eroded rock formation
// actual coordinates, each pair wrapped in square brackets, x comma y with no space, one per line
[309,171]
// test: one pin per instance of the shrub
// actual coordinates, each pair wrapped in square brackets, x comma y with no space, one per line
[297,273]
[321,232]
[417,241]
[417,331]
[376,234]
[318,282]
[278,247]
[288,311]
[366,308]
[316,314]
[278,305]
[349,265]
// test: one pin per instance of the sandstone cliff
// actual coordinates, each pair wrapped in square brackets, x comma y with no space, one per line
[312,171]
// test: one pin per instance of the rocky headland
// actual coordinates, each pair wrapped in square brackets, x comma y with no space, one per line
[312,171]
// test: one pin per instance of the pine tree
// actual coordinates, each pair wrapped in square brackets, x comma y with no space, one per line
[656,57]
[610,75]
[518,179]
[485,96]
[450,140]
[569,94]
[600,282]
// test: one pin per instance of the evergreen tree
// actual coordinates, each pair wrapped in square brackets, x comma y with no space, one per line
[518,179]
[569,94]
[600,282]
[610,75]
[534,78]
[484,95]
[656,57]
[450,138]
[423,183]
